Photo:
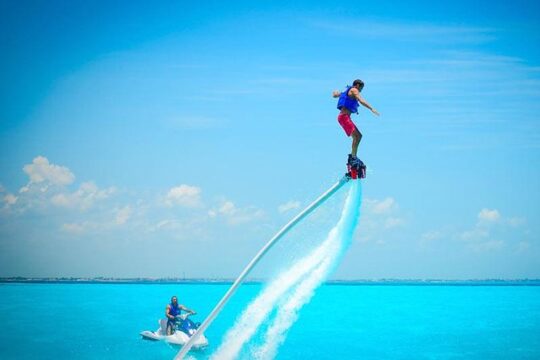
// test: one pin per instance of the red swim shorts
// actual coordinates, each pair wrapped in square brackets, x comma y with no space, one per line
[346,123]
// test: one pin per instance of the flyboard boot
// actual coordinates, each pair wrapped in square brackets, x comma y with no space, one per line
[355,168]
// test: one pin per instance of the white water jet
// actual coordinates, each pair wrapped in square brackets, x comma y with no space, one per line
[292,289]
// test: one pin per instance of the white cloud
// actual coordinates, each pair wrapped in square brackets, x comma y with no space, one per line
[47,186]
[487,218]
[184,195]
[290,205]
[41,171]
[486,233]
[7,198]
[228,208]
[84,198]
[475,234]
[123,215]
[488,215]
[10,199]
[234,215]
[99,222]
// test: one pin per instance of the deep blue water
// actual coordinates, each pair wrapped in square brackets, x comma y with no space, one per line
[103,321]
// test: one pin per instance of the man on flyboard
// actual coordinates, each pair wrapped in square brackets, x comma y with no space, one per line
[348,103]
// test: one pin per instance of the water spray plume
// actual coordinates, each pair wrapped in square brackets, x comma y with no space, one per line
[288,292]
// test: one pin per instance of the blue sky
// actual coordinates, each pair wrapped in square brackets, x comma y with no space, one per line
[130,131]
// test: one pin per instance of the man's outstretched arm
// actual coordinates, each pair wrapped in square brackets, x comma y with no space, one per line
[361,100]
[365,104]
[186,309]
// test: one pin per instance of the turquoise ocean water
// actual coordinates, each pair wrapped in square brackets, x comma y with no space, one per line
[103,321]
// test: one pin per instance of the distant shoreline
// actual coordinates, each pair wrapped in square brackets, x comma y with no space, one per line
[157,281]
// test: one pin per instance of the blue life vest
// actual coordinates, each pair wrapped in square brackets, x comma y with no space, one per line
[174,311]
[347,102]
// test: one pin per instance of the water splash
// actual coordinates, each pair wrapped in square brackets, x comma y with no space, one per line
[289,291]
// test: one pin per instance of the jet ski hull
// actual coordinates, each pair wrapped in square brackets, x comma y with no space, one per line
[179,338]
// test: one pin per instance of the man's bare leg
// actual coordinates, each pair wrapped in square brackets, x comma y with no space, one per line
[356,137]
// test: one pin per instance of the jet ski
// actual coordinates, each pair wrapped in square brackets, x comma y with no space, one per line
[184,328]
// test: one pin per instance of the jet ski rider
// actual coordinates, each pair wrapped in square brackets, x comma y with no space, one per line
[172,311]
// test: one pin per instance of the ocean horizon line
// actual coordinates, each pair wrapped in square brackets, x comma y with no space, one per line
[225,281]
